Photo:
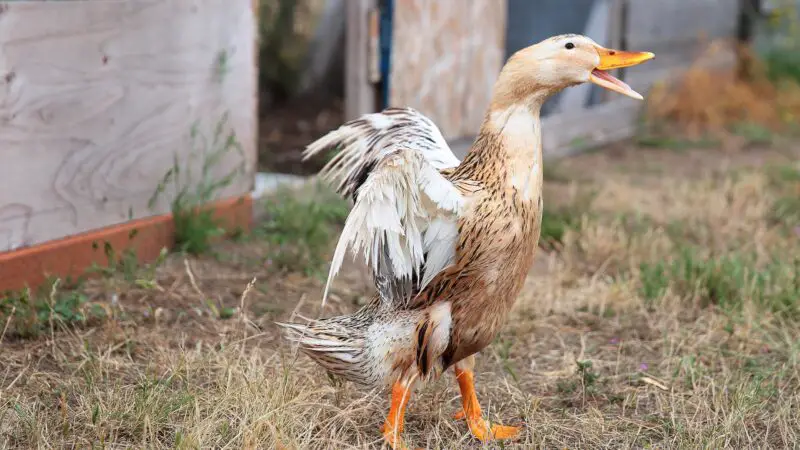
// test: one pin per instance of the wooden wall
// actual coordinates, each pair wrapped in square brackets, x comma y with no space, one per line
[446,55]
[96,99]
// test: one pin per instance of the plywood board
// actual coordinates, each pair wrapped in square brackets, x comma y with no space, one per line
[359,92]
[446,56]
[97,98]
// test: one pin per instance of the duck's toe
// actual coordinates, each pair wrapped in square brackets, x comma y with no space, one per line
[502,432]
[484,432]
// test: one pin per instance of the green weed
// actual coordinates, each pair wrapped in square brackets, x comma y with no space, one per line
[156,401]
[587,375]
[27,314]
[220,311]
[585,381]
[195,224]
[504,352]
[126,265]
[690,369]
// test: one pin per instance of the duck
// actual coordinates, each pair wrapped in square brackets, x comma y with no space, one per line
[448,242]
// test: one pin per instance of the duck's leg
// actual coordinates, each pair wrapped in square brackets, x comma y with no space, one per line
[393,427]
[479,427]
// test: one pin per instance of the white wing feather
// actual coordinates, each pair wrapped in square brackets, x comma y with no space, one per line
[404,219]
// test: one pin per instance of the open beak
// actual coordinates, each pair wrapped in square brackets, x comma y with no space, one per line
[616,59]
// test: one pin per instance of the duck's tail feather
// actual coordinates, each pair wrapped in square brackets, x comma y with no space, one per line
[336,345]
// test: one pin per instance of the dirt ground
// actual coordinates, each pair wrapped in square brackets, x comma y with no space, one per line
[662,312]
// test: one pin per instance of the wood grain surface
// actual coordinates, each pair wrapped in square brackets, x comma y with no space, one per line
[97,98]
[359,92]
[446,56]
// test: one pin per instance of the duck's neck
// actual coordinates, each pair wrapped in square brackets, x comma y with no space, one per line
[508,150]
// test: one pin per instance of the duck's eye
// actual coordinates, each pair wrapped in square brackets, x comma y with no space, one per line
[569,45]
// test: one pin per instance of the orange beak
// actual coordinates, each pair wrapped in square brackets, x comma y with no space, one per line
[616,59]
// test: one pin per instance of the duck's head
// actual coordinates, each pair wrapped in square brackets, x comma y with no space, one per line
[562,61]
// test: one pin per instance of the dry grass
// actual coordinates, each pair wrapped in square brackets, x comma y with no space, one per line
[746,101]
[602,350]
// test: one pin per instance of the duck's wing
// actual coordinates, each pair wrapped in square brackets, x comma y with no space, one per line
[405,214]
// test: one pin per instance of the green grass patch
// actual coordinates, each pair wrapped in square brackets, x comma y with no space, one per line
[783,64]
[555,224]
[556,221]
[754,133]
[301,228]
[56,303]
[26,313]
[674,143]
[727,281]
[786,210]
[785,180]
[781,175]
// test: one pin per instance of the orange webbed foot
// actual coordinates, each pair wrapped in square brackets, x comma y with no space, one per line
[478,426]
[483,431]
